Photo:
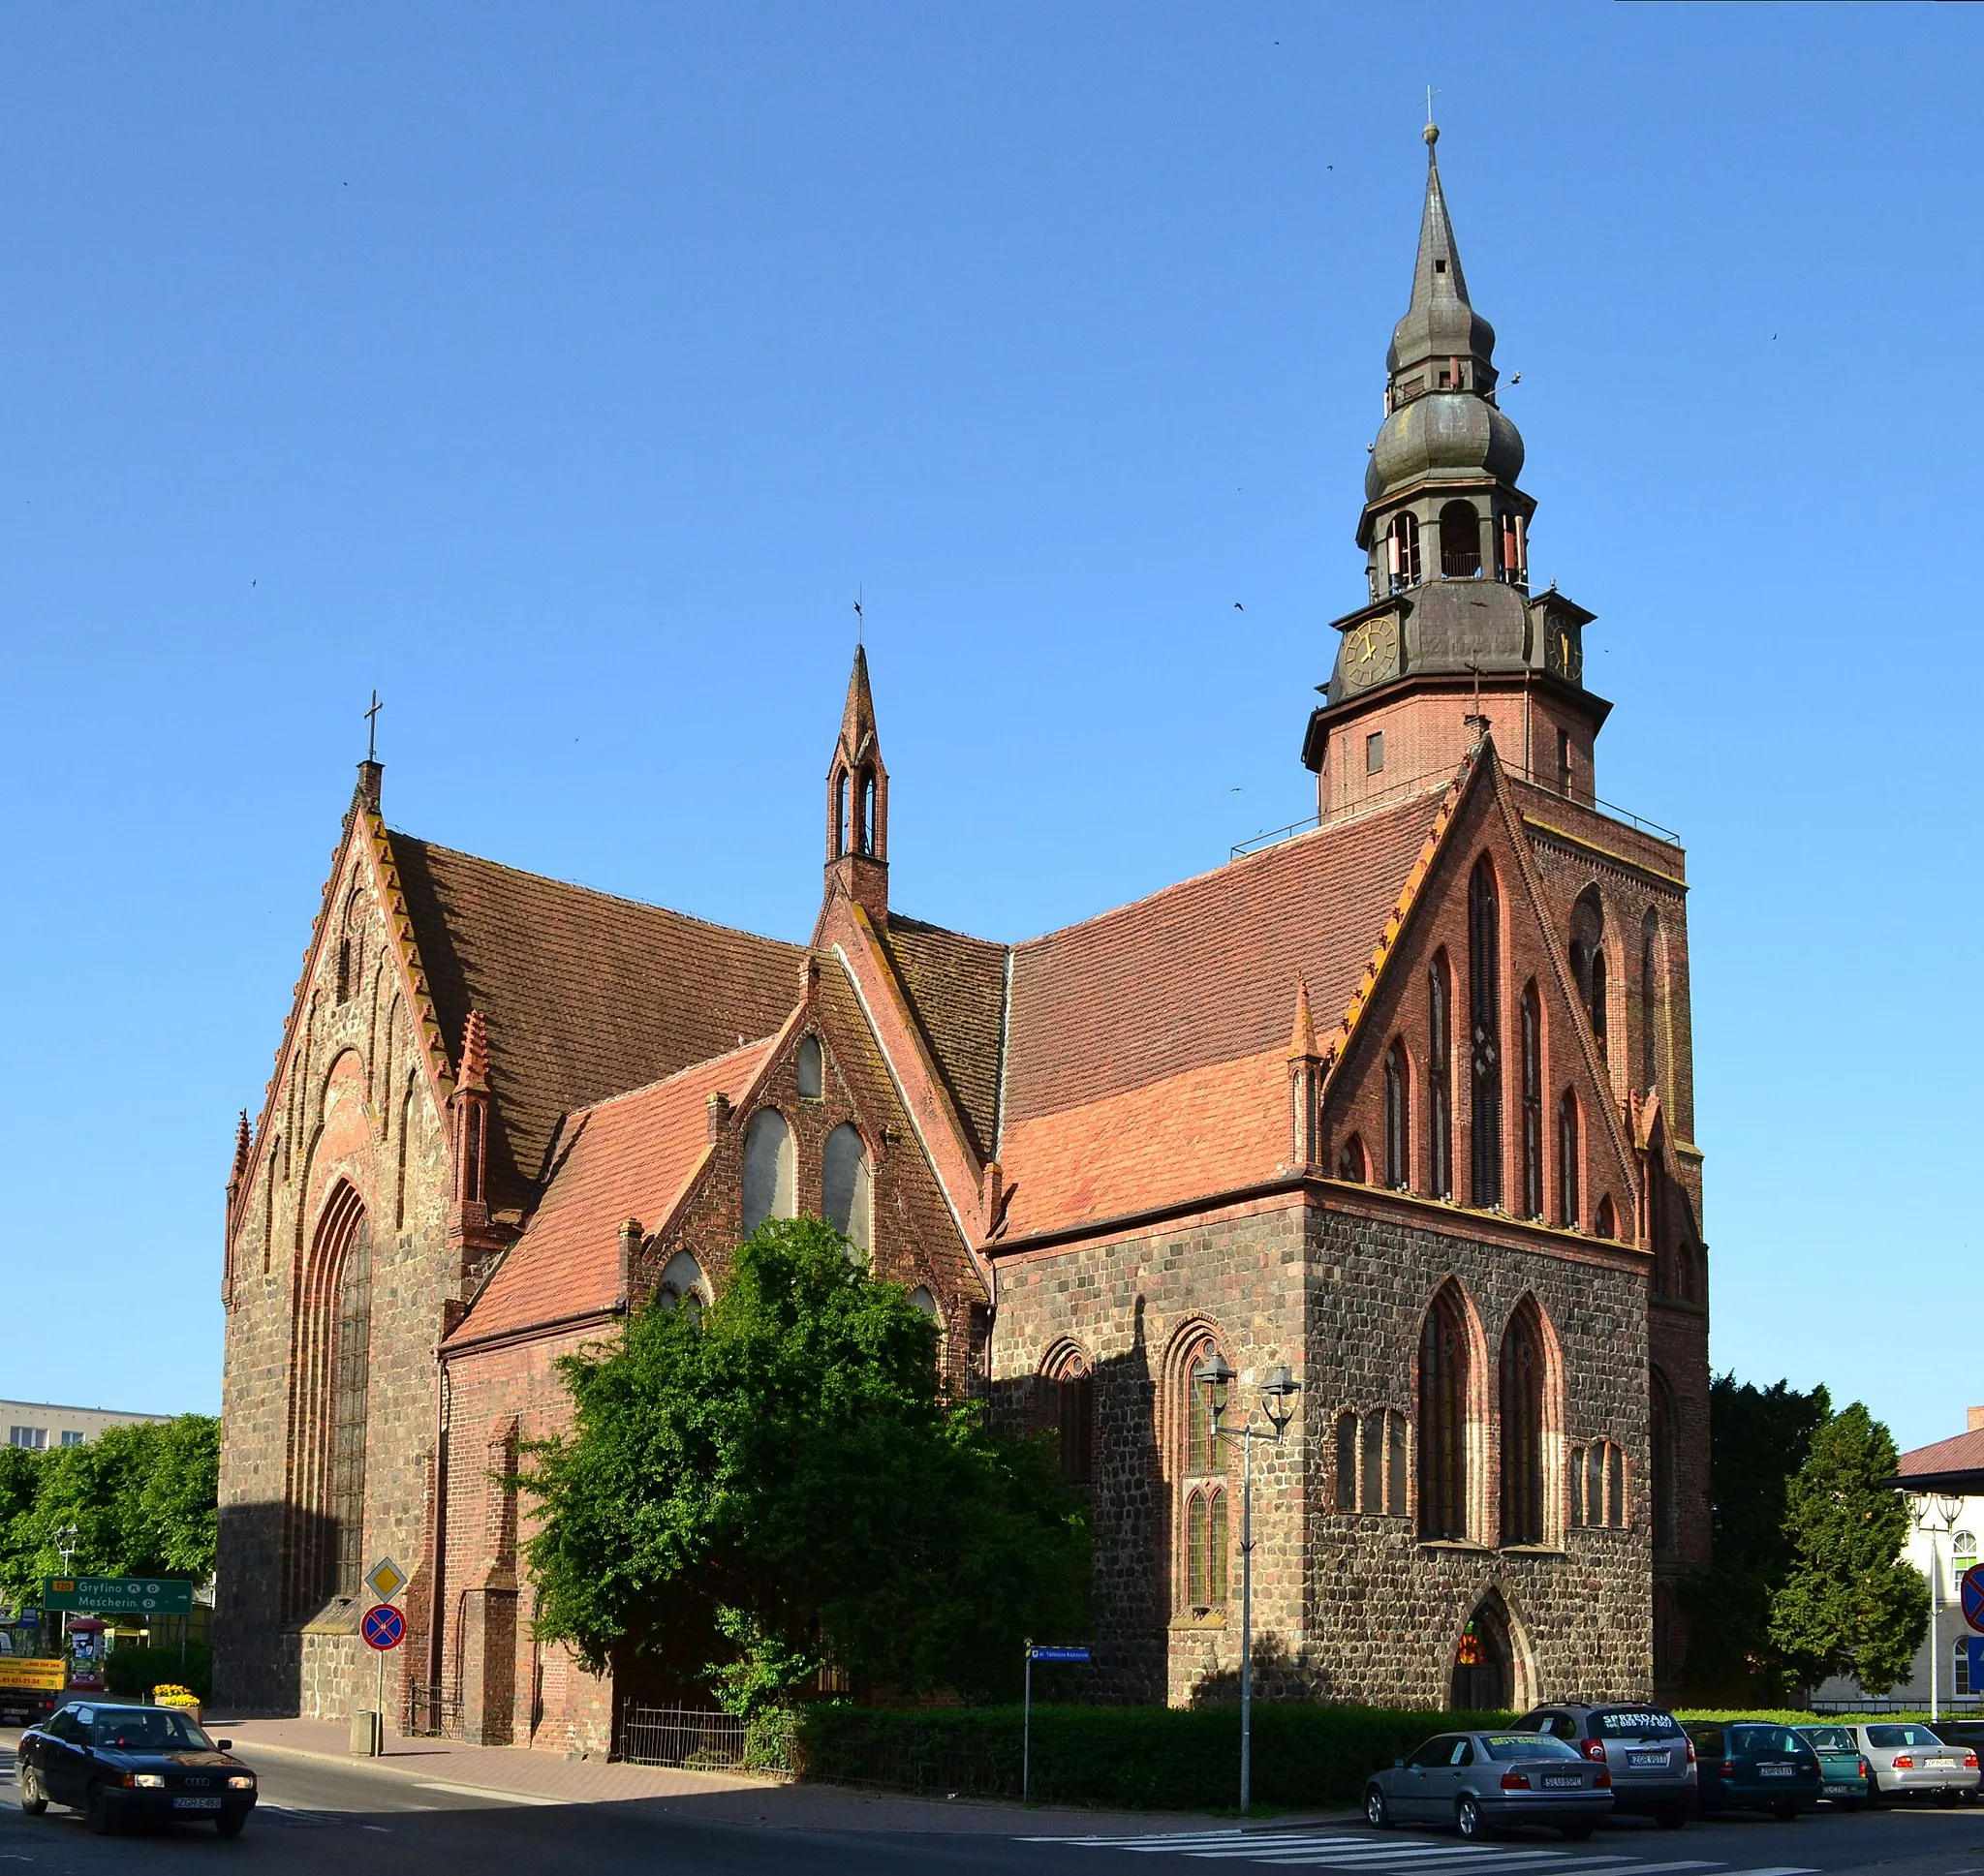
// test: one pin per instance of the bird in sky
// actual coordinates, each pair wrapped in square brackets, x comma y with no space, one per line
[1238,607]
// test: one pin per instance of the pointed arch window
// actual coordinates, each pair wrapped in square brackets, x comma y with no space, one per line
[1605,1221]
[1346,1460]
[1524,1378]
[1484,1019]
[1445,1382]
[1202,1468]
[682,1286]
[1532,1102]
[1600,998]
[811,1070]
[770,1172]
[1569,1151]
[1651,1014]
[1440,1078]
[844,1191]
[1351,1164]
[866,833]
[1067,1410]
[1398,1118]
[351,1370]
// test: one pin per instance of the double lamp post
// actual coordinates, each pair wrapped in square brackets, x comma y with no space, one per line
[1277,1392]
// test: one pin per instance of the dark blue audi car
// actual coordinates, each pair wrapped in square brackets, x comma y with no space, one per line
[120,1766]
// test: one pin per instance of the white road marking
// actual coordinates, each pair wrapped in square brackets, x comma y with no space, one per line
[1660,1869]
[479,1791]
[1777,1869]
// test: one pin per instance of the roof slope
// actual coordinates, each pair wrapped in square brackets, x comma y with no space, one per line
[958,986]
[1204,971]
[1963,1453]
[586,994]
[628,1158]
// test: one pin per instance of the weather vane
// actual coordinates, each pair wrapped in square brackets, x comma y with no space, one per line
[860,618]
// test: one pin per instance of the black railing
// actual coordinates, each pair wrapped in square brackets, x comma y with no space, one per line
[682,1737]
[430,1713]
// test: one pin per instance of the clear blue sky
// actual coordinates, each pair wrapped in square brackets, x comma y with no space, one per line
[565,371]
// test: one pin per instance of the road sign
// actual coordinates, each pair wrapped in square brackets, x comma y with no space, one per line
[118,1595]
[383,1627]
[386,1579]
[1971,1592]
[1058,1654]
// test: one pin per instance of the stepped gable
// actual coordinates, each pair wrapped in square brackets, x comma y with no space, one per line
[628,1158]
[1202,972]
[586,995]
[957,987]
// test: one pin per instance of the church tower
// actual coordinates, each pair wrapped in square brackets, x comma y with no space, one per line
[1451,615]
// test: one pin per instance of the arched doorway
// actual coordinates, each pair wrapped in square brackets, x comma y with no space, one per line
[1484,1662]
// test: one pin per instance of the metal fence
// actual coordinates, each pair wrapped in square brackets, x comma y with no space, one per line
[681,1735]
[891,1753]
[431,1712]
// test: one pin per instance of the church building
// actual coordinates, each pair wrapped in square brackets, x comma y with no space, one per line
[1402,1101]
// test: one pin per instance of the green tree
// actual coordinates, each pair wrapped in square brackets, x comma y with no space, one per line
[142,1501]
[1851,1604]
[780,1485]
[1758,1438]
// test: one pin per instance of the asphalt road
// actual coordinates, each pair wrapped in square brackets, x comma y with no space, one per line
[326,1818]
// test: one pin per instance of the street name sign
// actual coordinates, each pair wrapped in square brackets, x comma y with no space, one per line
[383,1627]
[118,1595]
[1058,1654]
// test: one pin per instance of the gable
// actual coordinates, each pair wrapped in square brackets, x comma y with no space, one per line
[1396,1007]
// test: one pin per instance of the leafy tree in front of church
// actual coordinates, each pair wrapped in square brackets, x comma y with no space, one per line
[781,1486]
[1758,1438]
[1851,1604]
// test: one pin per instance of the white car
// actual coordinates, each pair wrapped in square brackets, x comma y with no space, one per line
[1908,1760]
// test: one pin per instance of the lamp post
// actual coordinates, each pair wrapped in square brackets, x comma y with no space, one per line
[1933,1516]
[65,1542]
[1278,1401]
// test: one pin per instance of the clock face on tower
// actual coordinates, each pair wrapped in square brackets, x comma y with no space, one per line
[1371,652]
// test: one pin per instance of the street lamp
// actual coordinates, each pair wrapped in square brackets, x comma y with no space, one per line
[1933,1516]
[65,1542]
[1278,1394]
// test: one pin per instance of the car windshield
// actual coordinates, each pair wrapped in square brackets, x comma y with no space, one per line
[1830,1739]
[1526,1746]
[1634,1723]
[150,1728]
[1765,1738]
[1888,1738]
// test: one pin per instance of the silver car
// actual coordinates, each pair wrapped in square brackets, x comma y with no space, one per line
[1908,1760]
[1481,1782]
[1650,1756]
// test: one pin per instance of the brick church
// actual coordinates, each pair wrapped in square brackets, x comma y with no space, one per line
[1402,1100]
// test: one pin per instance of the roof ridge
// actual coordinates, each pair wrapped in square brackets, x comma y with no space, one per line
[1264,856]
[595,892]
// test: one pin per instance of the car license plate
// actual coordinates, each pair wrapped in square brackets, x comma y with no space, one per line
[1777,1772]
[1940,1764]
[1646,1758]
[196,1805]
[1558,1784]
[1843,1791]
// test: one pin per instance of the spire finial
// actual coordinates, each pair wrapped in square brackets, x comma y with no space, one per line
[372,729]
[1432,131]
[860,618]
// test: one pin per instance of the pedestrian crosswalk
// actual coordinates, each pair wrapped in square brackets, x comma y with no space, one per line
[1359,1854]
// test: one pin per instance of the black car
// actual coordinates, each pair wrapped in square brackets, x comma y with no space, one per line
[126,1765]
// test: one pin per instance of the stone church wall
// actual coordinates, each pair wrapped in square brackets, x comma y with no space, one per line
[1348,1607]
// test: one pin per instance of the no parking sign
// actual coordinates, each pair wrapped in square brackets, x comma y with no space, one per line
[383,1627]
[1970,1592]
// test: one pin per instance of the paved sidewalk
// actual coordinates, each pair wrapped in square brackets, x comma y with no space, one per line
[515,1774]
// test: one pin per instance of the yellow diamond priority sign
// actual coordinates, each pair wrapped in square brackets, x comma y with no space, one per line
[386,1579]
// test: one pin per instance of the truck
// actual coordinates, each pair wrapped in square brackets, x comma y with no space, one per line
[31,1684]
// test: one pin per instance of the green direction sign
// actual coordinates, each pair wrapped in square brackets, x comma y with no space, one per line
[118,1595]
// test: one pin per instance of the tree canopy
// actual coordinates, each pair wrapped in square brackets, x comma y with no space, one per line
[780,1486]
[1850,1604]
[144,1502]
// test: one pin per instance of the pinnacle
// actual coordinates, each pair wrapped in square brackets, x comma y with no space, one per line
[474,1053]
[1302,1041]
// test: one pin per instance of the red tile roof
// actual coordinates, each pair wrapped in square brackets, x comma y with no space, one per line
[957,987]
[1963,1453]
[1205,971]
[630,1157]
[586,994]
[1208,1129]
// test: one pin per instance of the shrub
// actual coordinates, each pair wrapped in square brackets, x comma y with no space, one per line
[1133,1757]
[132,1672]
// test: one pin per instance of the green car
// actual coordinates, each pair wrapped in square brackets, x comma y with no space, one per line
[1842,1771]
[1749,1765]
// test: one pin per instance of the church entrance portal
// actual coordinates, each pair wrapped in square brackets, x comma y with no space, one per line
[1484,1663]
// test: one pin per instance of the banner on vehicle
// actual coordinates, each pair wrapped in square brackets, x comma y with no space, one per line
[43,1676]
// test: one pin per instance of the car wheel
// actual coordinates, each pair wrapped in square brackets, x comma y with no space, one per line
[97,1814]
[1576,1833]
[228,1824]
[33,1800]
[1377,1812]
[1671,1817]
[1468,1818]
[1873,1794]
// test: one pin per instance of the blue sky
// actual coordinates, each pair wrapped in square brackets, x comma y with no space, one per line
[566,371]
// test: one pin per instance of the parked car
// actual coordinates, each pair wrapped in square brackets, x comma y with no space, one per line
[1645,1748]
[124,1765]
[1910,1760]
[1968,1733]
[1481,1782]
[1756,1765]
[1843,1769]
